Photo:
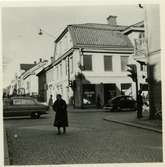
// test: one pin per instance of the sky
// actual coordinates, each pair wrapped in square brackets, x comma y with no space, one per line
[20,27]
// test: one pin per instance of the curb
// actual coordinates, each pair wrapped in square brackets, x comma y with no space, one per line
[133,125]
[84,110]
[6,151]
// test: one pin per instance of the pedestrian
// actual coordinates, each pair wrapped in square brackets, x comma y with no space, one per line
[139,105]
[61,116]
[98,102]
[50,103]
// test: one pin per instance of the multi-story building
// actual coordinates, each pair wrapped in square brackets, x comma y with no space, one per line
[152,28]
[29,80]
[90,63]
[22,69]
[136,35]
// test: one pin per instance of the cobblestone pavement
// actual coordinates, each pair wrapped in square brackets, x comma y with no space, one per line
[89,139]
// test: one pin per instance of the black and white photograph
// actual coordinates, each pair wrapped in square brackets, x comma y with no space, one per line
[82,84]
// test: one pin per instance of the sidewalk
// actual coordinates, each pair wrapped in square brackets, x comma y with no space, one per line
[76,110]
[130,119]
[126,118]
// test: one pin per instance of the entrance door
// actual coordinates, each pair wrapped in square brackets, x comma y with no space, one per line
[109,92]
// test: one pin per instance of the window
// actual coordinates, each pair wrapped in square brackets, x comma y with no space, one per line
[28,85]
[108,63]
[66,66]
[71,64]
[23,102]
[124,62]
[144,87]
[143,67]
[61,70]
[57,74]
[87,60]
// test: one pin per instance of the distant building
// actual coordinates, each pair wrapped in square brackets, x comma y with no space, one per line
[90,61]
[29,80]
[42,84]
[22,69]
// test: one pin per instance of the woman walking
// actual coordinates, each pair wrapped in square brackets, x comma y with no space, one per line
[61,115]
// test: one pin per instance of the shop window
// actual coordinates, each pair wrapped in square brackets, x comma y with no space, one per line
[89,94]
[126,89]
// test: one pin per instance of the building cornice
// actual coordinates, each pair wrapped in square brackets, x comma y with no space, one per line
[32,70]
[112,50]
[133,29]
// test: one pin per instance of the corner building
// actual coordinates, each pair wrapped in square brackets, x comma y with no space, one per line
[90,63]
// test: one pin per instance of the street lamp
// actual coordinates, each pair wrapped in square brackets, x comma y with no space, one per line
[42,31]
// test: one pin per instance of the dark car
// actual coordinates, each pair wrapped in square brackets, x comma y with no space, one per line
[121,103]
[23,106]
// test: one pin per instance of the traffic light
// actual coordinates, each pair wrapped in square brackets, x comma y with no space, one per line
[133,72]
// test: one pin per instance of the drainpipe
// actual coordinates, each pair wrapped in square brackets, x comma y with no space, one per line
[81,85]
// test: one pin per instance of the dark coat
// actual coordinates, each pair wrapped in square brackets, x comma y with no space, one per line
[139,100]
[61,116]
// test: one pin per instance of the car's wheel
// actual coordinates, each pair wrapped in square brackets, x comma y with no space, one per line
[35,115]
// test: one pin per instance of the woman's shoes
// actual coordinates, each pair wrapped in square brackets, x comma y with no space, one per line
[58,133]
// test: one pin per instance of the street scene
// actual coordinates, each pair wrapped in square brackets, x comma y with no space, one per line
[89,139]
[82,87]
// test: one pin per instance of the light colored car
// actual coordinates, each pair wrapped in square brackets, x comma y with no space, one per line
[23,106]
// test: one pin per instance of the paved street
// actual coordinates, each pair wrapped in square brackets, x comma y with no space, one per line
[89,139]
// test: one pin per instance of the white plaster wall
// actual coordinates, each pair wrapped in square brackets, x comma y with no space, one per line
[132,36]
[153,34]
[63,45]
[98,65]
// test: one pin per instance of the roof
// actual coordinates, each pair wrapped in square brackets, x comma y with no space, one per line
[135,27]
[26,66]
[93,25]
[139,24]
[45,69]
[101,26]
[92,35]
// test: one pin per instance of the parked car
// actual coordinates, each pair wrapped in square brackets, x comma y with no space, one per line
[23,106]
[121,103]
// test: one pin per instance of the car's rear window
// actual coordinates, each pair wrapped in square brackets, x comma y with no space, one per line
[23,102]
[129,98]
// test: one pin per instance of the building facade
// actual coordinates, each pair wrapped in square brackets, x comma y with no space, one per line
[28,81]
[136,35]
[90,64]
[153,53]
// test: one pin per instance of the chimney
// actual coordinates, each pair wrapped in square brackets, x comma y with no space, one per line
[52,59]
[35,62]
[40,59]
[112,20]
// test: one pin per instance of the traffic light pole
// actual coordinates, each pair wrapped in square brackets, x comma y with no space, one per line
[136,82]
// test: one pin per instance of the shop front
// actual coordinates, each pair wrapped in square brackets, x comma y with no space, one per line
[89,95]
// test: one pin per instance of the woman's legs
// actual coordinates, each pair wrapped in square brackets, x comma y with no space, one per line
[64,129]
[59,132]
